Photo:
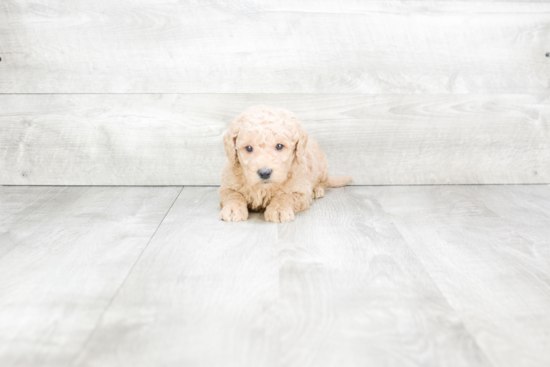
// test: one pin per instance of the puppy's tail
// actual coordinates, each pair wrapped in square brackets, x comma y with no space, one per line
[338,181]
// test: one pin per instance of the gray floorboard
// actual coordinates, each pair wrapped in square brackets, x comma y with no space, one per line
[66,251]
[203,293]
[378,276]
[338,286]
[487,249]
[354,294]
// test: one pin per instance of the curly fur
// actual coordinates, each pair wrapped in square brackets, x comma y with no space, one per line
[299,169]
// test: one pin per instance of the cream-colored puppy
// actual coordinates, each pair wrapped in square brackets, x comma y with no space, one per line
[272,166]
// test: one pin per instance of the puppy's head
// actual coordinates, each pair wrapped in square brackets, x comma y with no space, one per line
[265,142]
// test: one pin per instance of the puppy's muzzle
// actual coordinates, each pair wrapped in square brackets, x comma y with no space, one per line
[264,173]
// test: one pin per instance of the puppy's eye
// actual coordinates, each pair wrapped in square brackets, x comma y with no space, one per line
[279,146]
[248,148]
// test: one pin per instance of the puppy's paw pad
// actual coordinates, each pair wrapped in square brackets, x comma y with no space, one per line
[318,192]
[234,213]
[279,215]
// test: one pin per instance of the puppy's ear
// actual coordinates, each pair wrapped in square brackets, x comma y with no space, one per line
[301,145]
[229,140]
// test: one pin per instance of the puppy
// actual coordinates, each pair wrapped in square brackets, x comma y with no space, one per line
[272,167]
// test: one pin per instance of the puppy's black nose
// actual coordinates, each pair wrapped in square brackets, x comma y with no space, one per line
[264,173]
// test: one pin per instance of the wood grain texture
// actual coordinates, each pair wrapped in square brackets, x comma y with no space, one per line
[27,205]
[368,276]
[335,287]
[64,252]
[172,139]
[202,294]
[311,46]
[354,294]
[487,250]
[527,209]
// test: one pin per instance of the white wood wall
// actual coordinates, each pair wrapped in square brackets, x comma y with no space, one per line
[139,92]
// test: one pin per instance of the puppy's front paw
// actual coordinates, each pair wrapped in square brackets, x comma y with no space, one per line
[279,214]
[234,213]
[318,192]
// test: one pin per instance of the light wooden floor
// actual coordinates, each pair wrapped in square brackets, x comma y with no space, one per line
[369,276]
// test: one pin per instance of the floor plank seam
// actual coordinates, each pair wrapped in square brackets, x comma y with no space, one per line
[83,347]
[443,296]
[481,349]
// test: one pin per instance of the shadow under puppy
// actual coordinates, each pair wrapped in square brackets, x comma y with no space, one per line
[272,166]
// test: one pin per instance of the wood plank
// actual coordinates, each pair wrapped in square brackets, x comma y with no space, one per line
[311,46]
[336,285]
[172,139]
[354,294]
[202,294]
[68,251]
[527,210]
[496,277]
[28,205]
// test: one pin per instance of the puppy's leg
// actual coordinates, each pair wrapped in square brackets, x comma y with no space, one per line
[283,206]
[234,205]
[318,192]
